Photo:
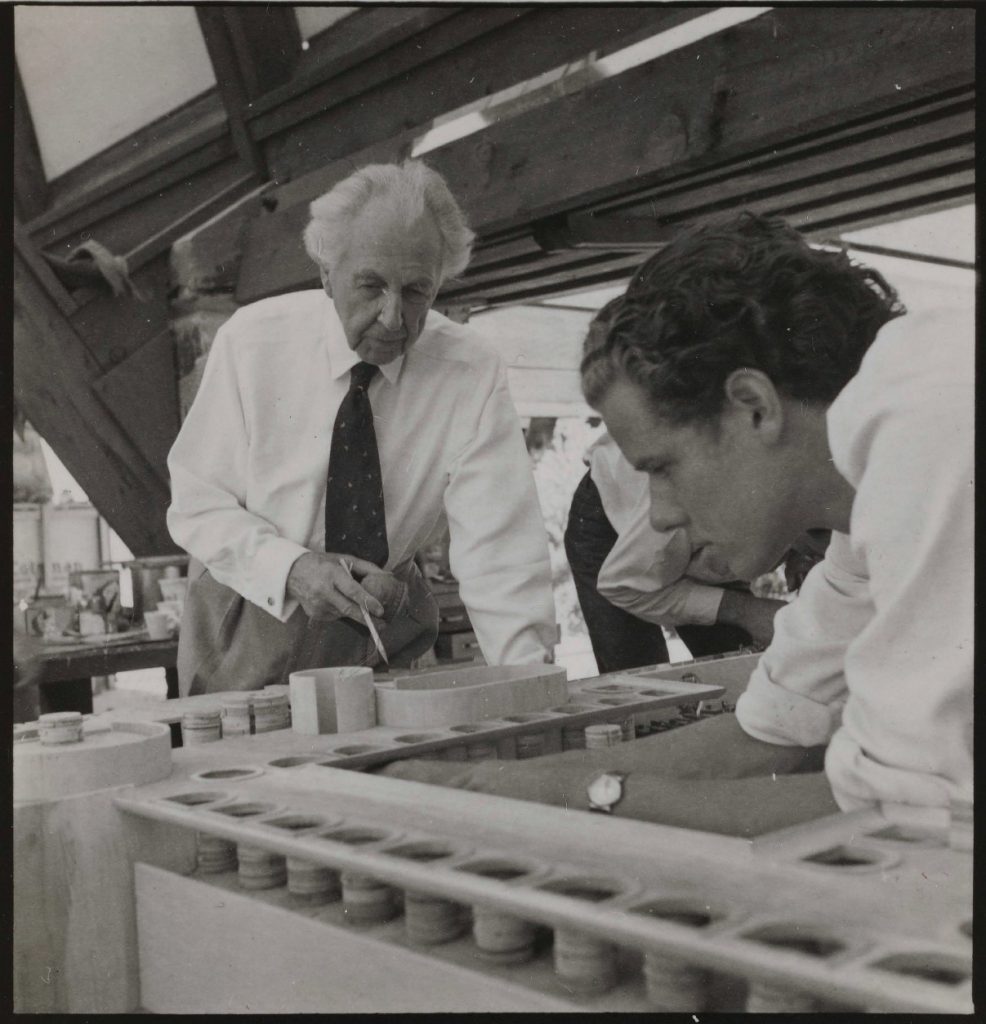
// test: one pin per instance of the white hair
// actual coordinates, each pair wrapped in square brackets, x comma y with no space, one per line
[410,188]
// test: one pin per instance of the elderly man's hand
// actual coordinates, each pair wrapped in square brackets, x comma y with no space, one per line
[388,590]
[326,590]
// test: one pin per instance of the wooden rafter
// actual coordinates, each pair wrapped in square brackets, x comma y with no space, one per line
[235,79]
[30,181]
[54,378]
[736,120]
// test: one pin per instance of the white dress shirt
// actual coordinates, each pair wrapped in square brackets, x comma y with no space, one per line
[651,574]
[875,654]
[248,469]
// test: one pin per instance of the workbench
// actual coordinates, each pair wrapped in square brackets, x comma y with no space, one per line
[269,873]
[64,682]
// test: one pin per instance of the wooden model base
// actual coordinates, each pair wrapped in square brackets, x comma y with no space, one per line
[324,889]
[851,912]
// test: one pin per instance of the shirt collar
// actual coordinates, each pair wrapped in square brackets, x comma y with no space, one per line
[341,357]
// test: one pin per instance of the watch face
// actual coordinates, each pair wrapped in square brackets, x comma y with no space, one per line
[605,790]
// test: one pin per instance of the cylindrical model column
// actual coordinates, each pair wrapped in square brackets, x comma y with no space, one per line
[271,711]
[356,706]
[599,737]
[202,726]
[237,717]
[259,868]
[312,883]
[366,900]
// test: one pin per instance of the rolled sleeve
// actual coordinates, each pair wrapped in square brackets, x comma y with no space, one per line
[645,572]
[797,691]
[498,548]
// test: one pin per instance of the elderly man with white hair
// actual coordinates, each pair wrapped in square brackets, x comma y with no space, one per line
[333,432]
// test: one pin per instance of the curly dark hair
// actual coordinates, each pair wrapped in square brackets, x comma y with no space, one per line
[745,292]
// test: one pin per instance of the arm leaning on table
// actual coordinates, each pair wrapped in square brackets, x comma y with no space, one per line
[498,547]
[710,776]
[655,575]
[891,606]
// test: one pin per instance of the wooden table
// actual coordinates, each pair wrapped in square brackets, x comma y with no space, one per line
[64,682]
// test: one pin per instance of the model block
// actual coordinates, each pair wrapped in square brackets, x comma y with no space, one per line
[469,695]
[833,915]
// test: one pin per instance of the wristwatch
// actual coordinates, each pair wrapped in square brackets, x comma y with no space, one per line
[605,791]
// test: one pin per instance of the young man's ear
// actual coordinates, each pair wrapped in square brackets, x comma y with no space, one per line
[323,273]
[751,396]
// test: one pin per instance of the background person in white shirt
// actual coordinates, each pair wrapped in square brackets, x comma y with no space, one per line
[767,389]
[249,468]
[632,579]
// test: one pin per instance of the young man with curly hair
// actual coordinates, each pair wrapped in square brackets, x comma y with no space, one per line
[770,388]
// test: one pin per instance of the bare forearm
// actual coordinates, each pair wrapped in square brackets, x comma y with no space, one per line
[711,748]
[709,776]
[739,807]
[754,614]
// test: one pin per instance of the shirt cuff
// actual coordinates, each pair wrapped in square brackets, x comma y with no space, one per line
[771,713]
[269,573]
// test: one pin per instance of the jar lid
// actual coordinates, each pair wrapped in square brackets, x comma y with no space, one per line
[202,716]
[61,718]
[266,701]
[604,729]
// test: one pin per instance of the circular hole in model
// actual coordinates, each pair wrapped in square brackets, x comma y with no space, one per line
[533,716]
[500,870]
[194,799]
[228,773]
[616,702]
[292,762]
[356,836]
[592,890]
[797,939]
[417,737]
[691,913]
[423,851]
[245,810]
[296,822]
[356,748]
[469,728]
[939,968]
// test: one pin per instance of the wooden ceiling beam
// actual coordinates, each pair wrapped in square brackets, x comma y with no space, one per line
[938,124]
[30,180]
[745,100]
[580,269]
[235,64]
[53,384]
[462,60]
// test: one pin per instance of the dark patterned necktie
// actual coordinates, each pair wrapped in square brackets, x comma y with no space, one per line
[355,523]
